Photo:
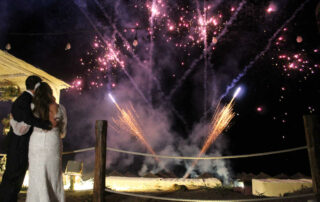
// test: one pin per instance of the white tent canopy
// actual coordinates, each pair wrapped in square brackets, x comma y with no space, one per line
[16,71]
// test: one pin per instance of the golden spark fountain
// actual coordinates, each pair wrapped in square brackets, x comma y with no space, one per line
[221,119]
[128,121]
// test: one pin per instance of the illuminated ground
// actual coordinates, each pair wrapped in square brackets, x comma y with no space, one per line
[204,194]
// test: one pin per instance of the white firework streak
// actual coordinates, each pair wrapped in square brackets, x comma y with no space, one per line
[246,68]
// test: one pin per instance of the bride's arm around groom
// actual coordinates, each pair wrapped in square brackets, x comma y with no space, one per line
[58,118]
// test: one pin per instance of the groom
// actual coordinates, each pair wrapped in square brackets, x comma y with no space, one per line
[17,148]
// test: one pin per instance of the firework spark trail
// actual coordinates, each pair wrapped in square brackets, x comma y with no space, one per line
[204,33]
[151,21]
[219,122]
[113,55]
[128,121]
[235,80]
[130,49]
[102,38]
[198,8]
[206,49]
[120,35]
[137,59]
[205,78]
[225,29]
[195,62]
[184,77]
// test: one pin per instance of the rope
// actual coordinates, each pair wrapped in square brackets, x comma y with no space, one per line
[188,157]
[209,158]
[79,150]
[196,200]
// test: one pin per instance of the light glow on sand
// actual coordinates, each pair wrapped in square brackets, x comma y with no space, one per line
[142,184]
[138,184]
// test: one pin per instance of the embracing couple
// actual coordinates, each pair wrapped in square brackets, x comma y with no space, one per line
[37,124]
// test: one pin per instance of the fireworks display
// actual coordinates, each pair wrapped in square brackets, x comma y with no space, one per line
[190,30]
[131,50]
[185,27]
[179,59]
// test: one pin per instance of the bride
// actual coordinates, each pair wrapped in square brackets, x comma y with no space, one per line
[45,148]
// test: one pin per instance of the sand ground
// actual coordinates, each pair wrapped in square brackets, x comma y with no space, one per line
[205,194]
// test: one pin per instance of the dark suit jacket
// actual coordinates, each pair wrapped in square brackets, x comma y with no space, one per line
[21,111]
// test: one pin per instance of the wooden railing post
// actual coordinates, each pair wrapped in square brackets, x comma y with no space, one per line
[312,131]
[100,160]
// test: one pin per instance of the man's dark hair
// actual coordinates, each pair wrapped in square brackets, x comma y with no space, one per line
[32,81]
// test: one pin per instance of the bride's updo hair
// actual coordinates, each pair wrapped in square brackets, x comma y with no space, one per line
[43,97]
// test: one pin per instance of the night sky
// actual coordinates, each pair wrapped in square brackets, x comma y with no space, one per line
[185,63]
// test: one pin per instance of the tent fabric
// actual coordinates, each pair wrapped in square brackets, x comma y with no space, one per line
[16,71]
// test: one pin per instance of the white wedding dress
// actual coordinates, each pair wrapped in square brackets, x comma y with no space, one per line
[45,166]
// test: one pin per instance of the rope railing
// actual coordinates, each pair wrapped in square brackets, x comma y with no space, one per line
[192,157]
[203,200]
[209,158]
[188,157]
[78,150]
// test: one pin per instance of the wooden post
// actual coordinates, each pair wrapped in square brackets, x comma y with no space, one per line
[312,131]
[72,179]
[100,161]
